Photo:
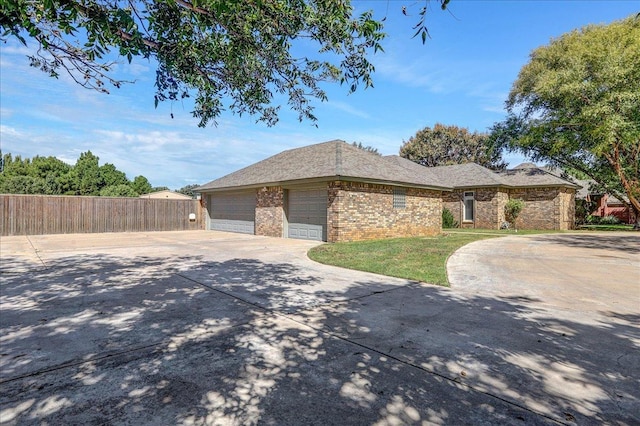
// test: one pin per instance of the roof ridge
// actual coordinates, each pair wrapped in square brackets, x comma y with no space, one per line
[493,173]
[338,159]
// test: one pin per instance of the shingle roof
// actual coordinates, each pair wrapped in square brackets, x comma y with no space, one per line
[339,160]
[585,184]
[472,175]
[533,176]
[415,168]
[467,175]
[324,161]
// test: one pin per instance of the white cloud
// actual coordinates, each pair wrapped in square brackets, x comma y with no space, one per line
[10,132]
[418,75]
[349,109]
[6,112]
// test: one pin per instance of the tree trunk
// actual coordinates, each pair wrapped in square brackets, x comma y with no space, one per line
[634,211]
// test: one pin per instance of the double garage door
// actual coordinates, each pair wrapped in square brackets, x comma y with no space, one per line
[233,212]
[306,213]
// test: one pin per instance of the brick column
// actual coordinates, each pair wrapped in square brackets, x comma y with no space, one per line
[270,212]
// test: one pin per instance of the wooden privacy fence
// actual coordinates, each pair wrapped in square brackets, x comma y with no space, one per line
[53,214]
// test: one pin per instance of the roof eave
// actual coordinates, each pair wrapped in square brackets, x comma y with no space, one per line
[297,182]
[505,186]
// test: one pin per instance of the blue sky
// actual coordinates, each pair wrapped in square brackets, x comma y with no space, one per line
[461,76]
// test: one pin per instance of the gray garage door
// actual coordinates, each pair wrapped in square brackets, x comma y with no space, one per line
[308,214]
[233,212]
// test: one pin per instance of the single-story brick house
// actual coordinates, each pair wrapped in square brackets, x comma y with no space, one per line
[480,194]
[331,191]
[334,191]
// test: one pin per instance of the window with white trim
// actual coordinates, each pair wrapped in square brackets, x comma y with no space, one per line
[467,206]
[399,198]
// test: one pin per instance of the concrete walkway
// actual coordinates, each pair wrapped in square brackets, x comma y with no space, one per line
[217,328]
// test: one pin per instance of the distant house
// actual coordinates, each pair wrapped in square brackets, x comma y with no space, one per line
[479,196]
[608,205]
[334,191]
[604,204]
[170,195]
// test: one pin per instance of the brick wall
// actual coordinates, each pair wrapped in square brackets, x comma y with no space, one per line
[360,211]
[502,198]
[488,206]
[567,208]
[545,208]
[453,202]
[270,212]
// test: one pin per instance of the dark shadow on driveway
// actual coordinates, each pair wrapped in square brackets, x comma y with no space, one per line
[615,241]
[150,340]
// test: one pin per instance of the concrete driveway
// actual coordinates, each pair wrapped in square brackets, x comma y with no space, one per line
[216,328]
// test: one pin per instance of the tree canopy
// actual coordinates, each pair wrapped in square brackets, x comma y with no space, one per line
[235,55]
[51,176]
[576,104]
[445,145]
[188,190]
[141,185]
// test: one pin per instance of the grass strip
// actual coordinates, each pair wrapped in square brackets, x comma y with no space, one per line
[420,258]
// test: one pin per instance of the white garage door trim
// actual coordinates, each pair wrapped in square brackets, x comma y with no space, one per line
[307,213]
[233,212]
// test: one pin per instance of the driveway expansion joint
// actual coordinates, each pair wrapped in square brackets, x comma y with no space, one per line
[71,364]
[37,252]
[323,330]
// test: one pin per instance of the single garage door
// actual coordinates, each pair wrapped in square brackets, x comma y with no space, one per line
[307,214]
[233,212]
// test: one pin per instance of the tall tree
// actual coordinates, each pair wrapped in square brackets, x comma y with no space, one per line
[240,51]
[14,165]
[31,176]
[55,173]
[87,174]
[141,185]
[576,104]
[51,176]
[111,176]
[445,145]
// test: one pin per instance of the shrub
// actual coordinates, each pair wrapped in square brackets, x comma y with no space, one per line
[609,220]
[592,220]
[512,210]
[447,219]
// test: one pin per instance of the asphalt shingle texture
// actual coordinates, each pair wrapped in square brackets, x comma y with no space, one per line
[338,160]
[324,161]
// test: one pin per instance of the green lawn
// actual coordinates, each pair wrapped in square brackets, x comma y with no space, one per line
[421,259]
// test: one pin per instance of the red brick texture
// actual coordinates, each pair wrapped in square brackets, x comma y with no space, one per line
[361,211]
[545,208]
[270,212]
